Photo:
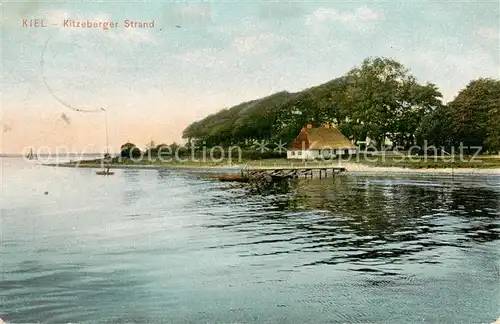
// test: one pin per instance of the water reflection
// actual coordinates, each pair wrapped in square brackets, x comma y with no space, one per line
[364,220]
[133,190]
[163,174]
[477,202]
[354,249]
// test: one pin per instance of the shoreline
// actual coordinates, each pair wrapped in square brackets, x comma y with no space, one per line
[144,166]
[350,168]
[353,167]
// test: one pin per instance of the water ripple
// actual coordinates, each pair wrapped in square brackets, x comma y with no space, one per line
[169,246]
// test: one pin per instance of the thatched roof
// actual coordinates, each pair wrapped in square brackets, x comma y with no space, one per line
[320,138]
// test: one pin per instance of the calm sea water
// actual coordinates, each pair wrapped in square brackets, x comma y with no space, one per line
[170,246]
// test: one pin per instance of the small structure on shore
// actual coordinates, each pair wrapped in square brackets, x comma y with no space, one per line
[31,155]
[320,142]
[105,172]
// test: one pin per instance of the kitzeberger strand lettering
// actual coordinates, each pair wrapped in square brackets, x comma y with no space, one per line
[139,24]
[105,25]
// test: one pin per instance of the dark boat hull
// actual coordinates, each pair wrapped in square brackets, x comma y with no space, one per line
[104,173]
[233,178]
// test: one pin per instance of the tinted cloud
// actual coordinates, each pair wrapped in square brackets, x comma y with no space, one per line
[274,11]
[489,33]
[361,19]
[13,12]
[256,44]
[187,14]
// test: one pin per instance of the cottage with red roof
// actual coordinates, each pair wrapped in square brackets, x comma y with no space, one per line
[320,142]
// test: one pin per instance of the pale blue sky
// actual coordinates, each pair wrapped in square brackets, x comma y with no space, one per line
[155,82]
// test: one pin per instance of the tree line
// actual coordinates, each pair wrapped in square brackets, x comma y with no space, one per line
[174,150]
[379,100]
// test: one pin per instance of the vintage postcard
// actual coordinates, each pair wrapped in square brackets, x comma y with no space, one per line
[250,162]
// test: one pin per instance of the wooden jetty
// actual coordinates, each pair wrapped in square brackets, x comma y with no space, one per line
[292,172]
[275,173]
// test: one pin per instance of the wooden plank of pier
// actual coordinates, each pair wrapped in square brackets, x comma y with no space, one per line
[289,171]
[293,168]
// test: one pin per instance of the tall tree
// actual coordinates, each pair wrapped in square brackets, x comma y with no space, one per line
[379,99]
[436,129]
[383,100]
[475,114]
[129,150]
[493,130]
[316,105]
[257,121]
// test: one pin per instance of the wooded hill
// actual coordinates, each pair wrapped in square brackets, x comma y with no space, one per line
[379,99]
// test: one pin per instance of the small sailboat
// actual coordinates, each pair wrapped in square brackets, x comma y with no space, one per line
[31,155]
[105,171]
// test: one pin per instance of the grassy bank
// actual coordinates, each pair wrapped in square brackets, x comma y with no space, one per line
[154,163]
[410,162]
[407,162]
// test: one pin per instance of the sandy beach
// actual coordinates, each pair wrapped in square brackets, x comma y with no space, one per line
[356,167]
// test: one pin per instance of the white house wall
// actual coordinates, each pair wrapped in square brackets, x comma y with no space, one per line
[315,154]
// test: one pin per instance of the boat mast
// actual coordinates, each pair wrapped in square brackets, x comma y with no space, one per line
[106,128]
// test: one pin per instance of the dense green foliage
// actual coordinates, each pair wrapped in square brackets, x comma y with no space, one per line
[471,119]
[129,150]
[379,100]
[175,151]
[476,114]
